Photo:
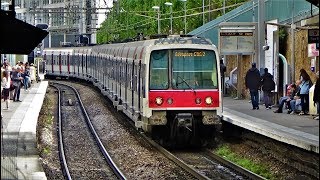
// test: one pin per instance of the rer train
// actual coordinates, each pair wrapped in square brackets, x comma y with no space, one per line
[169,86]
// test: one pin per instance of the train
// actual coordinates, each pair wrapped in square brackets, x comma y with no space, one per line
[169,85]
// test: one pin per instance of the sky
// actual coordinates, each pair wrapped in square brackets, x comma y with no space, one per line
[101,13]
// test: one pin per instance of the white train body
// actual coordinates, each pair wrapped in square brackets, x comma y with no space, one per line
[127,73]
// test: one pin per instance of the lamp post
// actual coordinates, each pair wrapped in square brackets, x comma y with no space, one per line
[170,4]
[185,15]
[157,8]
[202,12]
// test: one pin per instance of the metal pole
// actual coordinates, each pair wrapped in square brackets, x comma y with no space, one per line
[202,12]
[171,19]
[261,34]
[209,11]
[253,19]
[159,22]
[224,7]
[292,45]
[185,17]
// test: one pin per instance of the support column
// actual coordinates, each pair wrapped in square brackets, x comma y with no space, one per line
[261,34]
[239,72]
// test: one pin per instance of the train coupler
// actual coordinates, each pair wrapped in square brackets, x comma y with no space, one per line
[184,120]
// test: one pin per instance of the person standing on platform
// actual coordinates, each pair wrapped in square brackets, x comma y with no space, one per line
[32,73]
[253,82]
[268,85]
[316,95]
[5,84]
[16,77]
[26,76]
[305,85]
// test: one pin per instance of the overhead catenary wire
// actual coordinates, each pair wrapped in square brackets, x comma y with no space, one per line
[131,26]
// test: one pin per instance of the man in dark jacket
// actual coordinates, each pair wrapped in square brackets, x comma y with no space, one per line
[268,85]
[253,81]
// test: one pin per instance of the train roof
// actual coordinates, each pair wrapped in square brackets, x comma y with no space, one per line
[171,41]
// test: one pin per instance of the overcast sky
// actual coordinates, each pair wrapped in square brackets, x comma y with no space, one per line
[101,13]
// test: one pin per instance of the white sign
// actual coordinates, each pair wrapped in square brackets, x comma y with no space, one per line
[312,51]
[233,41]
[237,38]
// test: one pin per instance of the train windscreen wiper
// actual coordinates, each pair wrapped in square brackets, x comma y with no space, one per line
[183,80]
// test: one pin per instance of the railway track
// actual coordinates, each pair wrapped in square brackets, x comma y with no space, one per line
[218,166]
[203,164]
[120,141]
[80,149]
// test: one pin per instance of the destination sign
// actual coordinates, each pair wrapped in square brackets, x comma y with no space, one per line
[181,40]
[236,33]
[237,38]
[236,42]
[190,54]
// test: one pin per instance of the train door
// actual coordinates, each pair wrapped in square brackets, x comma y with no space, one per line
[126,83]
[52,63]
[60,63]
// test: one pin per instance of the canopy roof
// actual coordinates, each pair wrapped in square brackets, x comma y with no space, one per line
[18,37]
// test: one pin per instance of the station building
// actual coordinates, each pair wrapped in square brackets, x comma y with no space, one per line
[285,30]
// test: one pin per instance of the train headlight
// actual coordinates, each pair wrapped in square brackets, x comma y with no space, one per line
[208,100]
[198,100]
[170,101]
[159,101]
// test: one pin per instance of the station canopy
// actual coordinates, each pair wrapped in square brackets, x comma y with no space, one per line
[18,37]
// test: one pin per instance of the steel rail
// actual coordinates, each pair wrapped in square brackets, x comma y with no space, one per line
[106,155]
[175,159]
[64,165]
[245,172]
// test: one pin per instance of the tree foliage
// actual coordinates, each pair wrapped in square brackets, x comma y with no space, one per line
[127,18]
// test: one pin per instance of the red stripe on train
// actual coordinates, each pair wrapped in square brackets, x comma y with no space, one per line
[183,98]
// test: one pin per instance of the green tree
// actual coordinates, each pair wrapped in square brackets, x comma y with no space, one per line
[127,18]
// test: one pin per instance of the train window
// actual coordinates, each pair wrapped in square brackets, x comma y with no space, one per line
[196,69]
[159,70]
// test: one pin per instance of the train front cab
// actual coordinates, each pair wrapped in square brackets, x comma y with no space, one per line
[184,95]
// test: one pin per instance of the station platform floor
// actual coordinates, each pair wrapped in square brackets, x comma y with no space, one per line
[19,154]
[301,131]
[20,158]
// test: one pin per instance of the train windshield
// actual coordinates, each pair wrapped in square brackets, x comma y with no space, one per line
[159,76]
[189,69]
[194,69]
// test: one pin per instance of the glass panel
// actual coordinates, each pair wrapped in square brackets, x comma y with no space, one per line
[159,70]
[194,69]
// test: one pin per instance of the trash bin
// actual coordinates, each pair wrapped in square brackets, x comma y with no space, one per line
[312,108]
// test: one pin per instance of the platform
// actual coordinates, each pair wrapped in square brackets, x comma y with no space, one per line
[19,154]
[300,131]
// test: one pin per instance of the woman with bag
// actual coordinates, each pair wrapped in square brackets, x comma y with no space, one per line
[316,95]
[5,83]
[305,85]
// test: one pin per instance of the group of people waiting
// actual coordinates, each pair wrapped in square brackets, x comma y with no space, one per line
[297,98]
[12,79]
